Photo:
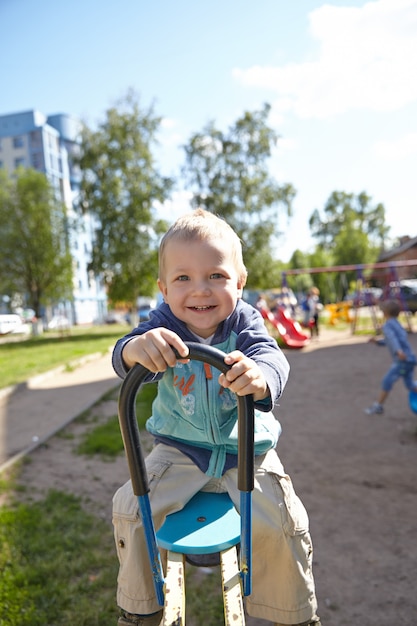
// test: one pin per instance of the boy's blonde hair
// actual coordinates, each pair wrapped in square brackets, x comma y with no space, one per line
[205,226]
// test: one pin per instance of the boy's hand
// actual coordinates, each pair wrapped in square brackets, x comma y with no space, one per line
[153,350]
[244,377]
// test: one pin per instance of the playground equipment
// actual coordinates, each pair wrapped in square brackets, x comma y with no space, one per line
[208,523]
[391,289]
[339,311]
[289,330]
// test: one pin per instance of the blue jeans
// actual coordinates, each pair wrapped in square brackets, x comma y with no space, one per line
[399,369]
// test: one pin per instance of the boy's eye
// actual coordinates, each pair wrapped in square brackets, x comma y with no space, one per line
[182,277]
[216,275]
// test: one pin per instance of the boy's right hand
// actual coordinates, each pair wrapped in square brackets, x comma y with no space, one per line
[154,350]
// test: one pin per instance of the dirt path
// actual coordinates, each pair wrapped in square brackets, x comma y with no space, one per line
[356,474]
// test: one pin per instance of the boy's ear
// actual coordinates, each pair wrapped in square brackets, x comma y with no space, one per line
[162,287]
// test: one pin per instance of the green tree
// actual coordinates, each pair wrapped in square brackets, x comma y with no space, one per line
[121,187]
[352,229]
[345,211]
[227,174]
[35,259]
[302,281]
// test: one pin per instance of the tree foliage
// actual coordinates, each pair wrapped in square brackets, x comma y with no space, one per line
[120,186]
[349,231]
[34,255]
[301,282]
[345,212]
[227,174]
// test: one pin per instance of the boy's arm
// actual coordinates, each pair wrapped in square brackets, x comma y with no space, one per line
[391,339]
[256,343]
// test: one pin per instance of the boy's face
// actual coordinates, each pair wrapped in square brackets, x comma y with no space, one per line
[200,283]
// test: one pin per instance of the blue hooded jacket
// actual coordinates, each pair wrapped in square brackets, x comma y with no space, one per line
[192,411]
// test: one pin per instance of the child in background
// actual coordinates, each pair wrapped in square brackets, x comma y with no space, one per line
[311,307]
[194,422]
[404,360]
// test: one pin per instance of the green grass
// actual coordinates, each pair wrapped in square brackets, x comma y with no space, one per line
[105,440]
[59,567]
[58,563]
[204,599]
[20,360]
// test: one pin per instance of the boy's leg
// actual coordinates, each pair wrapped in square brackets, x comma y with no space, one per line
[408,376]
[387,384]
[282,580]
[173,480]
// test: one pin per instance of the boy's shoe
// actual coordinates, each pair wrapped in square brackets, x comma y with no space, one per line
[129,619]
[375,409]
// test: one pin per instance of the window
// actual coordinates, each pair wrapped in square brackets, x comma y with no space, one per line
[18,142]
[37,160]
[19,161]
[36,139]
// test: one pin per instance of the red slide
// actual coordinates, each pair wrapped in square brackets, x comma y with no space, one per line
[289,330]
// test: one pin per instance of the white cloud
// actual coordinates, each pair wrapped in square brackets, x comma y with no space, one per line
[168,122]
[367,59]
[170,135]
[286,144]
[400,148]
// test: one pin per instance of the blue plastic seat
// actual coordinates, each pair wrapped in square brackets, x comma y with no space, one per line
[207,524]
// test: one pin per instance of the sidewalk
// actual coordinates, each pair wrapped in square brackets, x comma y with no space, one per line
[32,412]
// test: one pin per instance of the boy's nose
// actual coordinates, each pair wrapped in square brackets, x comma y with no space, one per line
[202,286]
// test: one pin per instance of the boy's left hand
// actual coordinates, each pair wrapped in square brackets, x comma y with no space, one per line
[244,377]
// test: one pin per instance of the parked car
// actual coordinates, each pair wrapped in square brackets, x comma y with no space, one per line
[11,323]
[406,292]
[116,317]
[59,322]
[143,312]
[364,297]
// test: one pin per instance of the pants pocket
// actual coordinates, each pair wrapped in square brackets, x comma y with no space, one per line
[126,515]
[294,515]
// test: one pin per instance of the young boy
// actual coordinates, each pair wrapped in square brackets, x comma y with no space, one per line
[194,422]
[404,360]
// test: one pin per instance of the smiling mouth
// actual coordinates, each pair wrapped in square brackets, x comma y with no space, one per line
[202,308]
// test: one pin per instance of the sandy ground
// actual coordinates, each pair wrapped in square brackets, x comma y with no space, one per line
[356,474]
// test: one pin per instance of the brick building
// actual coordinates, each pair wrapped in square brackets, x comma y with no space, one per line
[405,251]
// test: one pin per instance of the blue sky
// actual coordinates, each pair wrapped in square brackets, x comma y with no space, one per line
[341,78]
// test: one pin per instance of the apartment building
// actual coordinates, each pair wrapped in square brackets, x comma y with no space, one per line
[48,144]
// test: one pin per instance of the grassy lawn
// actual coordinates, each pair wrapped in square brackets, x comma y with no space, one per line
[20,360]
[58,565]
[58,562]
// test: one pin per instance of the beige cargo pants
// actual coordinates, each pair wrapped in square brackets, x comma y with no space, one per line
[282,580]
